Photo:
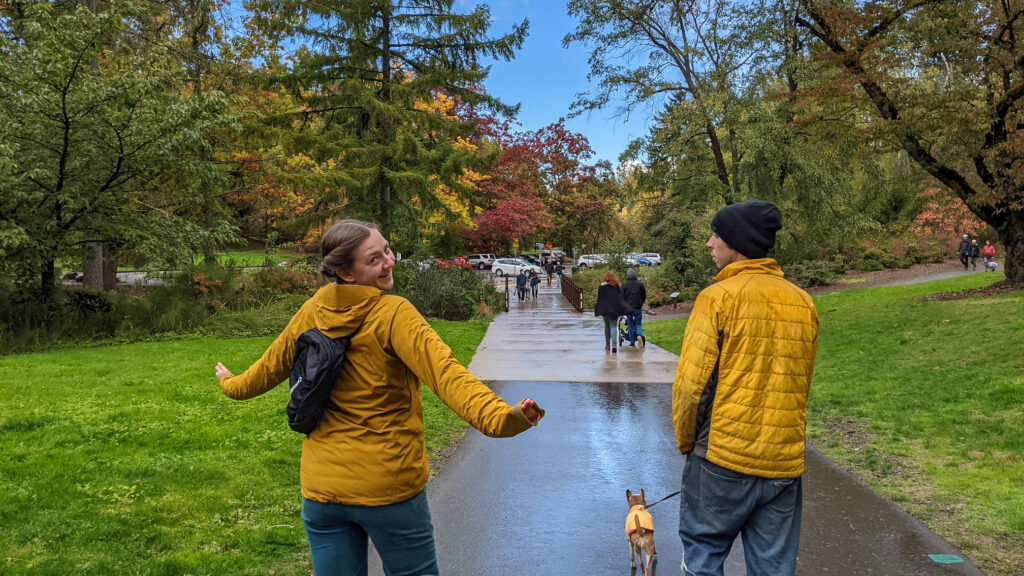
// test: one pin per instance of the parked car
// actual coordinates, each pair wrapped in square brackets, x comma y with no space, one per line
[557,255]
[481,261]
[453,262]
[591,260]
[635,259]
[512,267]
[418,264]
[653,257]
[530,258]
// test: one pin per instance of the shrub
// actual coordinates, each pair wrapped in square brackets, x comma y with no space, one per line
[814,272]
[875,259]
[445,293]
[276,280]
[661,282]
[91,313]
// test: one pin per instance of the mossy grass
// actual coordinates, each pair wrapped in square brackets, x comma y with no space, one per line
[924,399]
[128,459]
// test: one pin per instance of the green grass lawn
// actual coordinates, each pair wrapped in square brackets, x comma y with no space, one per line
[925,401]
[129,460]
[254,257]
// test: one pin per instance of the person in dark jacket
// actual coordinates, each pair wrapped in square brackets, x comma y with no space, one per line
[634,293]
[522,285]
[964,251]
[534,283]
[550,269]
[610,306]
[975,252]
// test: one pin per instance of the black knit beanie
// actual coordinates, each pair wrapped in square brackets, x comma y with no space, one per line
[748,227]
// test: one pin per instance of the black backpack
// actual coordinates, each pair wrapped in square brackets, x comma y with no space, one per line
[315,369]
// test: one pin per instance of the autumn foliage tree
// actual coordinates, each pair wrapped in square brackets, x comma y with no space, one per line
[540,188]
[943,219]
[943,81]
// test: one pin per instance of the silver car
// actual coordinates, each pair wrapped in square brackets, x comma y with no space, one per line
[591,260]
[481,261]
[653,257]
[512,267]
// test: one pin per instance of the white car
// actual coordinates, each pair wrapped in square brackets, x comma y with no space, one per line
[654,257]
[591,260]
[512,267]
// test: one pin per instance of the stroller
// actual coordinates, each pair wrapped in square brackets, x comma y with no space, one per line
[620,324]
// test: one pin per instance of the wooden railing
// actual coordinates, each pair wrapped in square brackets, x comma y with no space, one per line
[573,293]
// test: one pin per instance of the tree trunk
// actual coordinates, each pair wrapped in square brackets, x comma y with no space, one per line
[99,266]
[1011,235]
[47,281]
[387,129]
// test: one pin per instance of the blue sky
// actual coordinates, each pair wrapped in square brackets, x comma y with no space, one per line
[544,78]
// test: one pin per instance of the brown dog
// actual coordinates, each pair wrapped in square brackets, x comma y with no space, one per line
[640,531]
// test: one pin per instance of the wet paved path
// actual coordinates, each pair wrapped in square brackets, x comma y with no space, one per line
[552,501]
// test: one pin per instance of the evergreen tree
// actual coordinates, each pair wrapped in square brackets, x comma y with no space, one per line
[368,64]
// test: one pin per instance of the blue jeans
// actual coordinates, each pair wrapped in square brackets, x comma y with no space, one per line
[402,533]
[611,331]
[718,504]
[634,322]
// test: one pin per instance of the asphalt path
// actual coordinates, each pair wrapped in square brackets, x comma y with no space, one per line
[553,500]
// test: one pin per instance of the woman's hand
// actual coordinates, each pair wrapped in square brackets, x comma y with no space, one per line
[222,371]
[531,411]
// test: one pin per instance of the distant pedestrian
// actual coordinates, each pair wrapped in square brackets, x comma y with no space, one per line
[964,251]
[975,251]
[550,269]
[739,401]
[522,283]
[634,293]
[610,305]
[534,282]
[989,253]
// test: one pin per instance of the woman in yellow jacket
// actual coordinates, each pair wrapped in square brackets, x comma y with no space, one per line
[364,469]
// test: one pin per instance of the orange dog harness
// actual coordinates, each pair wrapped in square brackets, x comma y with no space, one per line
[646,521]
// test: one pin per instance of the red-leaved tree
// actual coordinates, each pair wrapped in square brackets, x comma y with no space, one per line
[944,218]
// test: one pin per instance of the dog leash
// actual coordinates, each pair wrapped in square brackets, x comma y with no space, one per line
[663,499]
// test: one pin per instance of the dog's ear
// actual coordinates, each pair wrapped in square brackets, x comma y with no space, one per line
[629,495]
[642,495]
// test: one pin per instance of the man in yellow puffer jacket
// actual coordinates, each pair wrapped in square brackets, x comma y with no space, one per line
[739,401]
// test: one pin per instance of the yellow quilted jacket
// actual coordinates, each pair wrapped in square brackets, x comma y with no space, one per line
[369,449]
[761,332]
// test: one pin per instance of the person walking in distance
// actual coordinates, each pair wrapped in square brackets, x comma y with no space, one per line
[534,283]
[363,470]
[610,306]
[989,253]
[521,285]
[739,402]
[975,252]
[634,293]
[964,251]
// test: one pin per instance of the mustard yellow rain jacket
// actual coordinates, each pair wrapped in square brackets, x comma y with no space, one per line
[639,512]
[369,449]
[740,393]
